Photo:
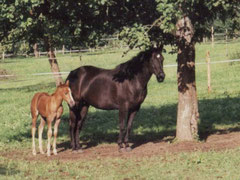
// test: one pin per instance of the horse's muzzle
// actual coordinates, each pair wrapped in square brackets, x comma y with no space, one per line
[161,77]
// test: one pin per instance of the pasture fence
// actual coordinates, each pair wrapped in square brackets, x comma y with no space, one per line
[49,75]
[113,43]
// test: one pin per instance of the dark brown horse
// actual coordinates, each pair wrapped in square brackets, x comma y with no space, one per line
[50,108]
[123,88]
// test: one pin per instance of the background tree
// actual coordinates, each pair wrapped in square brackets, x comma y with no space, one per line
[183,23]
[179,23]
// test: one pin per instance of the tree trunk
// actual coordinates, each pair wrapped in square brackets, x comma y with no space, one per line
[54,67]
[35,48]
[53,61]
[187,116]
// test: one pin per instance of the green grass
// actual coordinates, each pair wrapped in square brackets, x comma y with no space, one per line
[219,110]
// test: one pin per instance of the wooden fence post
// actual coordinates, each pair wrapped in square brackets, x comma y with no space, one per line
[208,71]
[35,48]
[3,55]
[226,38]
[212,33]
[63,49]
[55,52]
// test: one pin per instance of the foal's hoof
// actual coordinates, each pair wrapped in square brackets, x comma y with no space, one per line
[121,150]
[42,152]
[128,149]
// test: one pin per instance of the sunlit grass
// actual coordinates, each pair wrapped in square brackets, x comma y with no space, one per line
[155,120]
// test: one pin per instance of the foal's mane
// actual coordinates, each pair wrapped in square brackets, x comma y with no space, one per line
[129,69]
[59,86]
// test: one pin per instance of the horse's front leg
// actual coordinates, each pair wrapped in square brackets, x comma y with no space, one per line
[72,126]
[122,117]
[131,116]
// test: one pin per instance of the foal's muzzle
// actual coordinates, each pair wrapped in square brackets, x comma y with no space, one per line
[71,104]
[160,77]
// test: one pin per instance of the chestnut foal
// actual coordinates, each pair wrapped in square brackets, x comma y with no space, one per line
[50,108]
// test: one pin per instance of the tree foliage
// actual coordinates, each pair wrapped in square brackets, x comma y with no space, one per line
[84,23]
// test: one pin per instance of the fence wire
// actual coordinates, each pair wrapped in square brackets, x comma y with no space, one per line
[65,73]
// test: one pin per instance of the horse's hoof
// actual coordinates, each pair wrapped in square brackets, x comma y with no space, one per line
[55,153]
[128,149]
[80,151]
[121,150]
[34,153]
[75,151]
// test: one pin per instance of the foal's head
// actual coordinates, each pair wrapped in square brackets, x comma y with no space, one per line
[156,63]
[65,92]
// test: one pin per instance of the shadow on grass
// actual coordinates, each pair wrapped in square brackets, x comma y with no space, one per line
[8,171]
[151,124]
[158,124]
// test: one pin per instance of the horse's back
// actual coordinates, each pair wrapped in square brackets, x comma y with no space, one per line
[95,86]
[40,97]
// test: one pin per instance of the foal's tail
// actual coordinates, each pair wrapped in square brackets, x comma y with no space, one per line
[34,110]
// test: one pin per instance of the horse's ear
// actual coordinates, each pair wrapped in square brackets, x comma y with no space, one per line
[160,47]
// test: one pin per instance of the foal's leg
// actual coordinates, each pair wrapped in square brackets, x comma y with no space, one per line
[49,122]
[131,116]
[34,122]
[59,114]
[40,132]
[55,136]
[83,113]
[122,117]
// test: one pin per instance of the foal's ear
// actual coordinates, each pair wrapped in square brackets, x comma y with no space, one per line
[59,84]
[67,83]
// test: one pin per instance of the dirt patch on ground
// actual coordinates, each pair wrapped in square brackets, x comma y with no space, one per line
[216,142]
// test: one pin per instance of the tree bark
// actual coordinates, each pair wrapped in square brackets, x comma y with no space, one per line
[35,48]
[54,67]
[53,61]
[188,115]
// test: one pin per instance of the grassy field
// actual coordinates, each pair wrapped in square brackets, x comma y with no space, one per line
[219,110]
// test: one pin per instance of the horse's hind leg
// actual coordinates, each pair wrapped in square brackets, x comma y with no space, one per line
[40,132]
[55,136]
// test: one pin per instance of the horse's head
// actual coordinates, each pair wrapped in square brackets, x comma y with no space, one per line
[156,63]
[66,93]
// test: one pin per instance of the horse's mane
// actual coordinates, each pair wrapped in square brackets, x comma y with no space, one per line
[129,69]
